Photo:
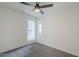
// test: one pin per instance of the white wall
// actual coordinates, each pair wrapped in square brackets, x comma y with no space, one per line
[12,29]
[60,28]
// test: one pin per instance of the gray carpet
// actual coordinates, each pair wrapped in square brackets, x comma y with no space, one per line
[36,50]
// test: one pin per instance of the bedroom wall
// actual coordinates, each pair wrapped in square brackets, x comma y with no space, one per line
[12,29]
[60,28]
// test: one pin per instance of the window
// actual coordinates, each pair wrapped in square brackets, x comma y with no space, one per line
[30,30]
[39,28]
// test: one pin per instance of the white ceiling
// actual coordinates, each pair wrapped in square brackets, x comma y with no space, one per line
[29,9]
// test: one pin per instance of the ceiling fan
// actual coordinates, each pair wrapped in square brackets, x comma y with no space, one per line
[37,6]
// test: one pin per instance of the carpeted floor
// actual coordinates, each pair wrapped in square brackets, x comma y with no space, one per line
[36,50]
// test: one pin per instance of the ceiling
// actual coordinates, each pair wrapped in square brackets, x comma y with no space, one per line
[29,9]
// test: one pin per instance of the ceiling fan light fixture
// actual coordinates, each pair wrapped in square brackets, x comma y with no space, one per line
[37,10]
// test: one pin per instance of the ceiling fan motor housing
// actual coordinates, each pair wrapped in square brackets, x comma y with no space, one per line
[37,5]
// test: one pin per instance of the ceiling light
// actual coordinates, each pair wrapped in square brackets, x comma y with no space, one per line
[37,10]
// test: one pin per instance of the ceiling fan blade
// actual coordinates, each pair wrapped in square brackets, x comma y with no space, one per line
[41,12]
[45,6]
[25,3]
